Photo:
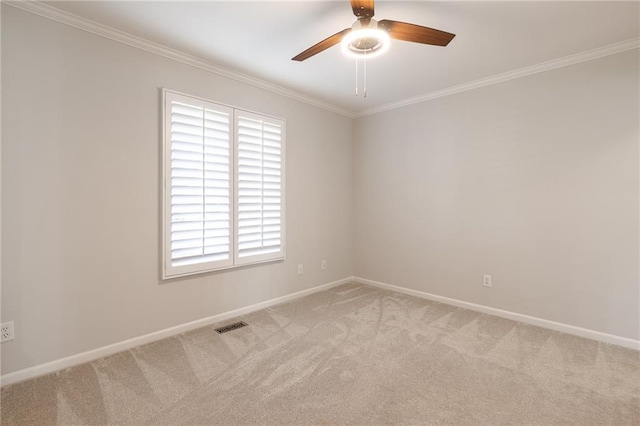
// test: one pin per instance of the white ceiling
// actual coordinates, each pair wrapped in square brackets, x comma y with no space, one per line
[259,39]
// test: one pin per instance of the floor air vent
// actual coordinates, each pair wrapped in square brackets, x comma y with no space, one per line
[231,327]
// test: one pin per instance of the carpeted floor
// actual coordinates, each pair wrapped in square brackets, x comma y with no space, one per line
[353,354]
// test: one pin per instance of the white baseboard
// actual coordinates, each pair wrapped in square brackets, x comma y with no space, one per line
[81,358]
[557,326]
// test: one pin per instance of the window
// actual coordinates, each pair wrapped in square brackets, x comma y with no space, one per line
[223,186]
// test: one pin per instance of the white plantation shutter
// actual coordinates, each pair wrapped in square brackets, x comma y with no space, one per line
[259,186]
[210,223]
[199,184]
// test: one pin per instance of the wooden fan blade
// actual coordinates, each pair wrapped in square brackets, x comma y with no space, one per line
[323,45]
[415,33]
[362,8]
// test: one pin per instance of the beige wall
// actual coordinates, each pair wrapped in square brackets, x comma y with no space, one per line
[534,181]
[81,198]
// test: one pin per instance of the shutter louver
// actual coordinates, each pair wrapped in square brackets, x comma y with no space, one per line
[259,183]
[200,185]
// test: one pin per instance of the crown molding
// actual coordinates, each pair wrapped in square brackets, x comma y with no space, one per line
[577,58]
[58,15]
[39,8]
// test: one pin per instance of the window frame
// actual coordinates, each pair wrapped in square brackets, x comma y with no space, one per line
[168,271]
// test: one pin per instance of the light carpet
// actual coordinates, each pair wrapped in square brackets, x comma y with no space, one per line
[353,354]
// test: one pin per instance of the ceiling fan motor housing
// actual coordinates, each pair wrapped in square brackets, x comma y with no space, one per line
[365,39]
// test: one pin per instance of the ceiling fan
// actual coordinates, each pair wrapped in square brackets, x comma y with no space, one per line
[368,37]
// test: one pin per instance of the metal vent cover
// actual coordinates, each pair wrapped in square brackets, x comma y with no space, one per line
[231,327]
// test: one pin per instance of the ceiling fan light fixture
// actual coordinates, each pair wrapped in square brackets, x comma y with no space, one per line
[368,42]
[369,38]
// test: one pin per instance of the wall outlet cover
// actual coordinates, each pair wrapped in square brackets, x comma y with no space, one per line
[486,280]
[6,332]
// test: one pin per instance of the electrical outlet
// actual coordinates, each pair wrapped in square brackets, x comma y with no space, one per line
[300,269]
[486,280]
[323,264]
[6,332]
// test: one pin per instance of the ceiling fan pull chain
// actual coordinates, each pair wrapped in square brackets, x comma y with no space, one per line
[365,74]
[356,77]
